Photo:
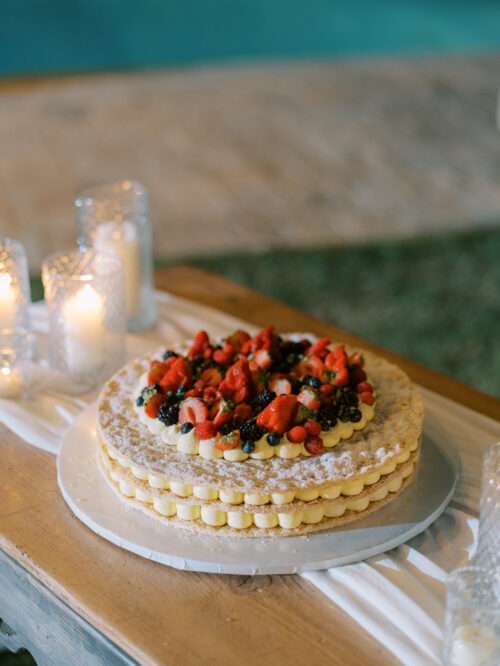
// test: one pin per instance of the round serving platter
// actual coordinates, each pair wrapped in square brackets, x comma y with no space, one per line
[97,506]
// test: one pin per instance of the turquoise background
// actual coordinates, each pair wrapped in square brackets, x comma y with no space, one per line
[60,36]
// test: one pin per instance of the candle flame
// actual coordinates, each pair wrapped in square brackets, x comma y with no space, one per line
[5,282]
[5,371]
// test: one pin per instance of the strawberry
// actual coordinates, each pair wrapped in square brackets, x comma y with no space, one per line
[210,395]
[310,365]
[263,340]
[193,410]
[228,442]
[341,377]
[200,343]
[309,398]
[339,352]
[238,339]
[225,355]
[263,359]
[367,398]
[157,371]
[358,375]
[297,434]
[357,359]
[314,445]
[363,387]
[207,354]
[223,413]
[280,385]
[313,428]
[211,377]
[178,374]
[194,393]
[242,412]
[279,414]
[153,405]
[326,389]
[320,348]
[206,430]
[237,384]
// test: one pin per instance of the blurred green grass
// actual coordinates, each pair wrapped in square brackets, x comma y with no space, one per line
[435,299]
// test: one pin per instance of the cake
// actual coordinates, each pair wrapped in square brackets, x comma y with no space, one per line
[271,435]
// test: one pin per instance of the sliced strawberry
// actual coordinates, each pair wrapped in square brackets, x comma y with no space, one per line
[313,428]
[225,355]
[358,375]
[206,430]
[341,377]
[364,387]
[153,405]
[320,348]
[179,374]
[193,410]
[279,414]
[309,398]
[228,442]
[357,358]
[367,398]
[223,414]
[210,395]
[314,445]
[237,384]
[263,359]
[242,412]
[334,362]
[200,343]
[310,365]
[297,434]
[280,385]
[211,377]
[238,339]
[194,393]
[157,371]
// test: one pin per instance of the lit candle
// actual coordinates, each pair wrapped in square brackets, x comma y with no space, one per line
[11,385]
[83,316]
[7,302]
[121,239]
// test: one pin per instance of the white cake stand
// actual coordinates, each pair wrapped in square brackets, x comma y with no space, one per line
[97,506]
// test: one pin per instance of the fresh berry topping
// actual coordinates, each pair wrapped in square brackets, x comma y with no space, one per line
[153,405]
[274,438]
[364,387]
[265,397]
[181,392]
[206,430]
[229,441]
[158,369]
[309,398]
[178,374]
[313,428]
[211,376]
[355,415]
[168,414]
[148,391]
[139,401]
[358,375]
[314,445]
[200,344]
[312,381]
[237,384]
[327,416]
[357,359]
[226,428]
[280,385]
[320,348]
[341,377]
[186,427]
[169,354]
[193,410]
[242,412]
[250,431]
[279,414]
[367,398]
[248,446]
[263,359]
[326,389]
[238,339]
[297,434]
[310,366]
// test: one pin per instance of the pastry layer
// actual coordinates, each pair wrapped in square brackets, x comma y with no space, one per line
[295,518]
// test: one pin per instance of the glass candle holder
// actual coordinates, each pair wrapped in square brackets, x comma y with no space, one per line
[87,318]
[488,546]
[16,351]
[472,625]
[115,218]
[14,286]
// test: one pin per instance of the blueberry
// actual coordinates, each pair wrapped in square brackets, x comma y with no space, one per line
[248,446]
[274,438]
[168,354]
[140,401]
[355,415]
[186,427]
[313,382]
[181,391]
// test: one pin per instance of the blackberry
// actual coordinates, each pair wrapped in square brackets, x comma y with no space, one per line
[265,397]
[168,354]
[226,428]
[250,431]
[248,446]
[274,438]
[314,382]
[326,425]
[344,414]
[348,398]
[168,414]
[355,415]
[186,427]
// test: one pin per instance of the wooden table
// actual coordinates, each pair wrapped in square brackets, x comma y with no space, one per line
[72,598]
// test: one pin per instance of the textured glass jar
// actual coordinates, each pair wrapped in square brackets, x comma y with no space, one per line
[115,218]
[16,350]
[14,287]
[87,319]
[488,546]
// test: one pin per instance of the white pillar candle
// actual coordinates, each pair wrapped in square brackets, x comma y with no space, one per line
[11,385]
[7,302]
[120,238]
[83,317]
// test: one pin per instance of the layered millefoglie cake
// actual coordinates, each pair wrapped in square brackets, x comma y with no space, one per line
[259,436]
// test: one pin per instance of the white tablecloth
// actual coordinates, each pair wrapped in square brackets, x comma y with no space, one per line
[397,597]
